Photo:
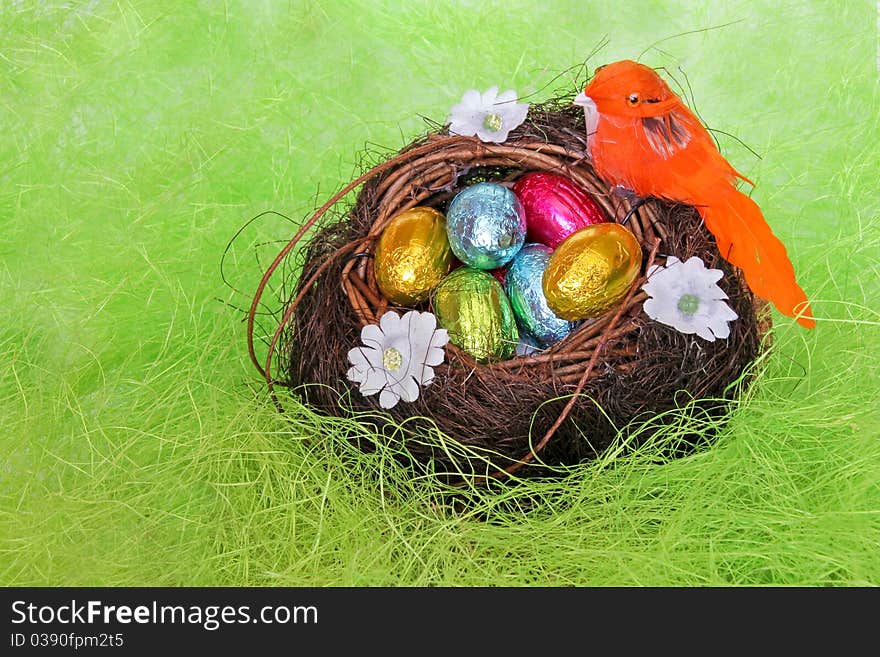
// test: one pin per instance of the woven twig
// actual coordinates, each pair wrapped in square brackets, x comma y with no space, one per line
[575,396]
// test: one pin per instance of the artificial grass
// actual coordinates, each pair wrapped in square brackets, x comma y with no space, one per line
[138,445]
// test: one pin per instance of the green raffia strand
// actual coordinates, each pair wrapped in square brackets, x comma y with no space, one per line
[138,137]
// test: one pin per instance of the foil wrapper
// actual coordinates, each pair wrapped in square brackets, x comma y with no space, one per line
[555,207]
[523,284]
[591,271]
[472,306]
[486,225]
[412,256]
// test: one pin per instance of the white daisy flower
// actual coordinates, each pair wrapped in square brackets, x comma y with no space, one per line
[398,356]
[685,295]
[490,116]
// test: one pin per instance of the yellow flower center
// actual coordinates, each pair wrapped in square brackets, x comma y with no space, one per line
[493,122]
[392,359]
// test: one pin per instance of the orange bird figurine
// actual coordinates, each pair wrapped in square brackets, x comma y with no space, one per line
[641,136]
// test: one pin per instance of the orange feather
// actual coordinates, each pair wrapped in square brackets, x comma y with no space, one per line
[643,137]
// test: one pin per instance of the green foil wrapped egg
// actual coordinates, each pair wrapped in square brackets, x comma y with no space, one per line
[472,306]
[412,255]
[591,271]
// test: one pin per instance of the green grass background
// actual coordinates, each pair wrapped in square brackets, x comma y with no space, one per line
[137,446]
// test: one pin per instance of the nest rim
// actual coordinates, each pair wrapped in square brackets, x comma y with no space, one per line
[426,172]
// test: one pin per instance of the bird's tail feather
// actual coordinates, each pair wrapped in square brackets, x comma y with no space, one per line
[745,240]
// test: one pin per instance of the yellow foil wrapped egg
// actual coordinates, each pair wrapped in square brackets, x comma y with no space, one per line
[591,271]
[412,255]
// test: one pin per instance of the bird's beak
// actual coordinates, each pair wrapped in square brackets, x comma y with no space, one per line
[591,113]
[582,99]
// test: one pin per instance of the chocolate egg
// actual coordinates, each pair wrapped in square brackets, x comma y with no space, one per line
[471,305]
[412,255]
[591,271]
[555,207]
[523,285]
[486,225]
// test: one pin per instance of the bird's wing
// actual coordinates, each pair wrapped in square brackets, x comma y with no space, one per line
[666,134]
[679,133]
[668,154]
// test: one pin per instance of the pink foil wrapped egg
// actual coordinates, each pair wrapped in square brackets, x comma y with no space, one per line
[555,207]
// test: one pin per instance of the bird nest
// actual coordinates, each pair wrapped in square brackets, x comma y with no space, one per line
[527,414]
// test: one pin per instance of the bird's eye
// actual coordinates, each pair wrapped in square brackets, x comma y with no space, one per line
[632,99]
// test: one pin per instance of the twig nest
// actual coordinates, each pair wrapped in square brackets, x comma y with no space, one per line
[499,406]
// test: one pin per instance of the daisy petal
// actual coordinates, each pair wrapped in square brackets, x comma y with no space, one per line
[705,333]
[495,137]
[420,339]
[388,398]
[358,357]
[714,275]
[434,356]
[440,338]
[720,329]
[427,322]
[372,336]
[390,323]
[463,128]
[408,389]
[374,382]
[654,308]
[715,292]
[418,370]
[516,114]
[471,99]
[725,312]
[355,375]
[650,287]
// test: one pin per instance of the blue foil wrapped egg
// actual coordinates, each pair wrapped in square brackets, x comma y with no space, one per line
[486,225]
[526,294]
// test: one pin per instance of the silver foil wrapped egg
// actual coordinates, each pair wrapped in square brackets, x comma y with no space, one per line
[486,225]
[523,285]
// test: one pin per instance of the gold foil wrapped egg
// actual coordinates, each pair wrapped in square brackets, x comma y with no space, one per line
[412,255]
[472,306]
[591,271]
